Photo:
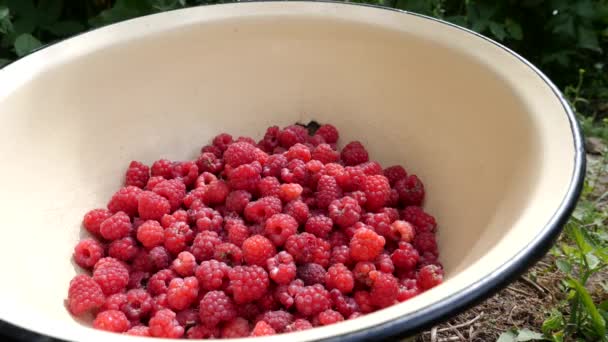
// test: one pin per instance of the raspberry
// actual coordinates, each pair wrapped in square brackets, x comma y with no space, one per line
[425,242]
[377,191]
[380,222]
[154,181]
[394,173]
[384,263]
[177,237]
[237,231]
[138,304]
[316,140]
[204,179]
[212,274]
[124,249]
[343,304]
[327,191]
[340,277]
[139,330]
[138,280]
[340,255]
[116,226]
[292,135]
[239,153]
[429,276]
[112,320]
[279,227]
[366,245]
[344,211]
[182,292]
[237,201]
[422,221]
[151,234]
[295,172]
[159,282]
[222,141]
[248,140]
[298,325]
[202,332]
[84,295]
[402,231]
[164,324]
[248,311]
[209,162]
[312,300]
[260,210]
[384,289]
[111,275]
[262,329]
[354,154]
[410,190]
[256,249]
[248,283]
[267,302]
[428,258]
[290,192]
[314,167]
[269,186]
[298,151]
[328,317]
[393,199]
[184,264]
[87,252]
[194,199]
[325,154]
[329,133]
[142,261]
[162,168]
[351,178]
[125,200]
[281,268]
[187,172]
[216,307]
[371,168]
[238,327]
[274,165]
[93,219]
[188,318]
[212,149]
[364,301]
[298,210]
[319,225]
[137,174]
[338,238]
[174,190]
[406,257]
[204,245]
[228,253]
[361,272]
[355,315]
[307,248]
[270,139]
[160,303]
[407,289]
[244,177]
[159,257]
[278,320]
[206,219]
[216,192]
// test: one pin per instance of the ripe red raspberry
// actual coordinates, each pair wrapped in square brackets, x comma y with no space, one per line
[112,320]
[238,327]
[248,283]
[312,273]
[116,227]
[187,172]
[203,332]
[151,234]
[239,153]
[298,325]
[385,288]
[262,329]
[159,282]
[206,219]
[182,292]
[295,172]
[344,211]
[274,165]
[343,304]
[216,307]
[139,330]
[364,301]
[260,210]
[137,305]
[228,253]
[164,324]
[270,140]
[298,210]
[422,221]
[340,255]
[267,302]
[204,245]
[325,154]
[184,264]
[222,141]
[361,272]
[394,173]
[189,317]
[142,261]
[407,289]
[329,133]
[312,300]
[212,149]
[341,278]
[429,276]
[298,151]
[366,245]
[319,225]
[194,198]
[93,219]
[278,319]
[410,190]
[138,280]
[306,248]
[154,181]
[111,275]
[237,231]
[125,200]
[216,192]
[377,191]
[204,179]
[354,154]
[402,231]
[406,257]
[212,274]
[428,258]
[292,135]
[384,263]
[160,303]
[425,242]
[237,201]
[281,268]
[159,257]
[84,295]
[124,249]
[328,317]
[87,252]
[174,190]
[137,174]
[359,196]
[269,186]
[351,178]
[162,168]
[279,227]
[209,162]
[257,249]
[290,192]
[314,167]
[178,237]
[380,222]
[338,238]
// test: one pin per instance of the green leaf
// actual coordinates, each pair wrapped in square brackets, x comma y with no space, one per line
[459,20]
[558,337]
[122,10]
[514,29]
[498,30]
[4,62]
[49,10]
[507,336]
[479,25]
[599,324]
[25,44]
[563,265]
[592,260]
[528,335]
[603,305]
[584,8]
[4,13]
[588,39]
[65,28]
[578,237]
[554,322]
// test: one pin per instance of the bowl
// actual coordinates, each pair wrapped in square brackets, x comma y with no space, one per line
[493,139]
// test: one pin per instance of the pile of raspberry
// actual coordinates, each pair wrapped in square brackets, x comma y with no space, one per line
[255,238]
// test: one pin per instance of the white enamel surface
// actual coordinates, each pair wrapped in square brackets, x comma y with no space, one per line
[488,137]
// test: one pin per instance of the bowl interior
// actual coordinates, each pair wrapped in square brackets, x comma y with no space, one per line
[486,135]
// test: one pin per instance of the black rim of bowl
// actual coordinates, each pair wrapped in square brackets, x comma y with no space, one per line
[410,324]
